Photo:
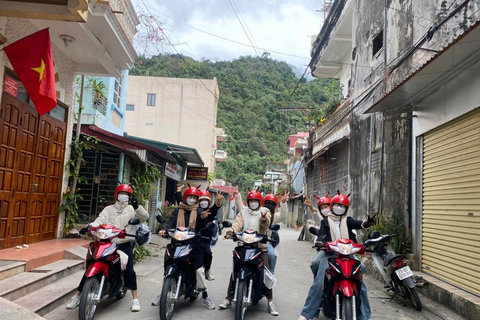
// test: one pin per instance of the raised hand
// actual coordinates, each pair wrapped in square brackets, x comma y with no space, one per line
[370,221]
[220,197]
[263,216]
[235,191]
[285,196]
[206,213]
[134,202]
[308,201]
[180,187]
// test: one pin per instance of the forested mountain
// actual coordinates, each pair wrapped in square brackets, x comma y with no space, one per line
[252,89]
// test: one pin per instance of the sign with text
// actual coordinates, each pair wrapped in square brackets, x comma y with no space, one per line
[197,173]
[173,171]
[10,86]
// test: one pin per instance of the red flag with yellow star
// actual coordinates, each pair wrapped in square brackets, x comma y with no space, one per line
[31,58]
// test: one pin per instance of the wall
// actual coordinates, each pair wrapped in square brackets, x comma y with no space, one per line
[185,113]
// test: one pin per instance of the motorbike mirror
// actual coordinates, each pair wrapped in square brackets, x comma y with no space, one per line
[226,224]
[275,227]
[160,218]
[314,231]
[210,225]
[374,235]
[134,221]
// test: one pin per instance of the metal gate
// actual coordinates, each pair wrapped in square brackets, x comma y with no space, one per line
[451,202]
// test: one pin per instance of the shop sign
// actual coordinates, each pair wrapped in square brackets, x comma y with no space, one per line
[197,173]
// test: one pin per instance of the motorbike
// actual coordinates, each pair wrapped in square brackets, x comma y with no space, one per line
[104,266]
[343,279]
[250,277]
[394,269]
[179,267]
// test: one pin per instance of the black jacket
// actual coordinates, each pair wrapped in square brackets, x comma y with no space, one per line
[352,224]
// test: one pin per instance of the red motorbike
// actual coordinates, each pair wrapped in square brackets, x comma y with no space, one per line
[343,279]
[104,268]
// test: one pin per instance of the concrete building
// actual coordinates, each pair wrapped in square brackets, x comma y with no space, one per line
[87,38]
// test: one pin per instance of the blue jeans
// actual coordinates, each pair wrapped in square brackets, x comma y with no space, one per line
[314,298]
[316,262]
[272,258]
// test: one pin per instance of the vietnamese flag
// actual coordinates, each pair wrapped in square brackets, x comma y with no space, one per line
[31,58]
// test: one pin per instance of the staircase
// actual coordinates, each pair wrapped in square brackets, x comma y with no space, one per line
[41,284]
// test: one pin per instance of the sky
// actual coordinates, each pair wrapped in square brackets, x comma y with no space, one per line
[210,29]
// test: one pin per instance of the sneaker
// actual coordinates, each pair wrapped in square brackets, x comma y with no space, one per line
[208,303]
[156,302]
[225,304]
[135,305]
[271,309]
[209,276]
[303,318]
[74,302]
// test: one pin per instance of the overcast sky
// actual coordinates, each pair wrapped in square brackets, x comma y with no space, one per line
[281,27]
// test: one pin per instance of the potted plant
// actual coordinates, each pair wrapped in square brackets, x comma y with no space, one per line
[298,223]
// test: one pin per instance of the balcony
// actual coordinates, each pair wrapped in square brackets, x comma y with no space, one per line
[59,10]
[221,135]
[220,155]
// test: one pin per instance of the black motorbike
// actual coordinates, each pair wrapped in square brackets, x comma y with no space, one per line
[250,277]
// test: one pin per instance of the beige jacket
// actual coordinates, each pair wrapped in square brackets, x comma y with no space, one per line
[118,214]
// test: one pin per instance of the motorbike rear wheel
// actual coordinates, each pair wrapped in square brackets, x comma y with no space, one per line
[167,302]
[347,308]
[241,304]
[414,298]
[88,305]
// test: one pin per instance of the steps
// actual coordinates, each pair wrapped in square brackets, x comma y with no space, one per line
[11,268]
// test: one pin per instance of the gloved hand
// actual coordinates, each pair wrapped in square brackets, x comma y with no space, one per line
[319,245]
[134,202]
[84,231]
[370,221]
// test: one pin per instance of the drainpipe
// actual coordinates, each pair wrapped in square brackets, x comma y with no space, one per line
[121,167]
[77,137]
[369,178]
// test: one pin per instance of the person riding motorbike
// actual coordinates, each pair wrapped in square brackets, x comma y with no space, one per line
[187,215]
[337,225]
[257,218]
[118,215]
[270,201]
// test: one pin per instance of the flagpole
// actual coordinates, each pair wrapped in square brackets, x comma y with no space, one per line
[77,138]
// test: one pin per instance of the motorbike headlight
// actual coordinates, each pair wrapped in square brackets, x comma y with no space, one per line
[179,235]
[104,234]
[248,238]
[345,249]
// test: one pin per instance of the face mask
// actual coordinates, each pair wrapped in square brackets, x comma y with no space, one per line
[339,211]
[253,205]
[203,204]
[325,212]
[191,201]
[123,197]
[270,206]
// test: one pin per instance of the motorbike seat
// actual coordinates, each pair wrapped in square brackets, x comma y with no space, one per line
[389,259]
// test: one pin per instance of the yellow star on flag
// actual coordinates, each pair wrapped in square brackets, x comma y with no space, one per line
[40,70]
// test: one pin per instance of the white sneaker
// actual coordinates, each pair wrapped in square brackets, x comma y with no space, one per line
[74,302]
[156,302]
[208,303]
[271,309]
[225,304]
[209,276]
[303,318]
[135,305]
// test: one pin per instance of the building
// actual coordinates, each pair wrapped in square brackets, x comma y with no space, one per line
[176,111]
[87,38]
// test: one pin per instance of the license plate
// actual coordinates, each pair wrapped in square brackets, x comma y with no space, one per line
[403,273]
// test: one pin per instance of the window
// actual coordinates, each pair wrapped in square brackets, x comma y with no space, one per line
[377,43]
[117,92]
[116,118]
[151,99]
[130,107]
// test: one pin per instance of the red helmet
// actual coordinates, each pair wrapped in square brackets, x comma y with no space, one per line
[271,197]
[191,191]
[341,199]
[255,195]
[205,195]
[323,200]
[122,188]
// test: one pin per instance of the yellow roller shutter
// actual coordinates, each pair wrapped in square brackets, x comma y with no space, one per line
[451,202]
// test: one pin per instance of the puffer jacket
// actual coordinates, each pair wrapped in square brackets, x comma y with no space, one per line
[118,214]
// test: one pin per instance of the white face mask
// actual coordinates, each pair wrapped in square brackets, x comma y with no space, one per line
[123,197]
[325,212]
[203,204]
[191,201]
[339,211]
[253,204]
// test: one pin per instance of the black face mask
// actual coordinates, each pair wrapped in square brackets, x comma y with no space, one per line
[270,206]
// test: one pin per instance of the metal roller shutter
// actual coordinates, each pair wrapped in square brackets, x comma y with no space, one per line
[451,202]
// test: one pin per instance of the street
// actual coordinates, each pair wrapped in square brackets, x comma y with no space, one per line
[294,278]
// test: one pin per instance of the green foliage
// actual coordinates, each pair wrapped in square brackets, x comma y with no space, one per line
[211,177]
[298,221]
[140,253]
[166,212]
[143,176]
[99,92]
[386,224]
[250,97]
[332,93]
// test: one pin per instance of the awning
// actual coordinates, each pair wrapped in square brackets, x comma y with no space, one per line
[181,153]
[440,69]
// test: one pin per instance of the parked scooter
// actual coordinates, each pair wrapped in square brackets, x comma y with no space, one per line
[179,265]
[343,279]
[394,269]
[104,268]
[250,277]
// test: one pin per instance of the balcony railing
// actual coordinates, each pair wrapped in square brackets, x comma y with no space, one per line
[124,12]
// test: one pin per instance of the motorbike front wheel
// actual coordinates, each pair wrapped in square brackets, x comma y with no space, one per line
[414,298]
[241,304]
[347,308]
[88,304]
[167,298]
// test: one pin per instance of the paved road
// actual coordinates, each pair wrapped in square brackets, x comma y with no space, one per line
[294,278]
